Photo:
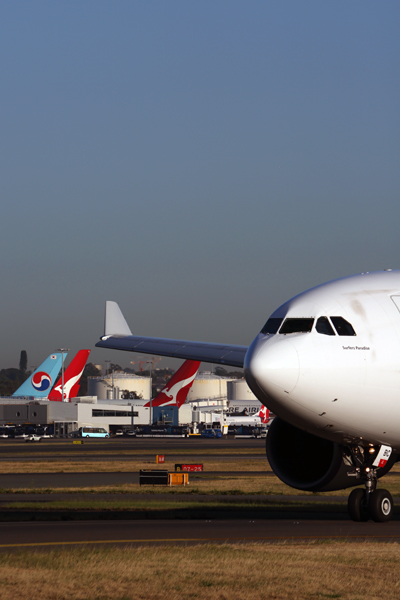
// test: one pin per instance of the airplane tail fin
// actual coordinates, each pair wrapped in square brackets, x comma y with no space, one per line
[177,388]
[72,377]
[40,382]
[263,413]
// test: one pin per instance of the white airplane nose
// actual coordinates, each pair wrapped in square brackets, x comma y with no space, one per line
[270,364]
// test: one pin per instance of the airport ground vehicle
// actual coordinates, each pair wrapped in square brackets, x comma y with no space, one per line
[45,432]
[162,431]
[211,433]
[33,438]
[7,431]
[247,431]
[19,433]
[93,432]
[24,431]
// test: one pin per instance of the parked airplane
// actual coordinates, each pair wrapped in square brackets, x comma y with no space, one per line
[177,388]
[39,384]
[327,363]
[262,416]
[72,376]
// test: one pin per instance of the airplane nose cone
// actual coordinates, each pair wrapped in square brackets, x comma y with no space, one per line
[272,364]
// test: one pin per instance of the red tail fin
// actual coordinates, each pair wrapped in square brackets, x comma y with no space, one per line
[72,376]
[177,388]
[263,413]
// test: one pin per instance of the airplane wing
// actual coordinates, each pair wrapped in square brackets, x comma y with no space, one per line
[118,336]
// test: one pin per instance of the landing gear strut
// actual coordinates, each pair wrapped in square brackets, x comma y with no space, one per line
[369,503]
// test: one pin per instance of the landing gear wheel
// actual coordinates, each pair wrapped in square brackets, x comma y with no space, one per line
[357,505]
[381,506]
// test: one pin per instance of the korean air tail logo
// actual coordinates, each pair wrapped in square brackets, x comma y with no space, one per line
[41,381]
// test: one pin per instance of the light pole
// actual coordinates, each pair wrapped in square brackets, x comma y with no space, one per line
[62,350]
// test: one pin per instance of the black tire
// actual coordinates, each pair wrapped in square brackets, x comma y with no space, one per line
[381,506]
[87,436]
[357,505]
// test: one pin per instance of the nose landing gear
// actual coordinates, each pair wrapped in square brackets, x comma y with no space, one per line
[357,505]
[369,503]
[381,506]
[377,505]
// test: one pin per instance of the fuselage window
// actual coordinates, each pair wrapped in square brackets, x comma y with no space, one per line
[296,326]
[272,325]
[342,326]
[323,326]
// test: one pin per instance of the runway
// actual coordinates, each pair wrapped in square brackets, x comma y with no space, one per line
[126,444]
[14,536]
[65,480]
[199,526]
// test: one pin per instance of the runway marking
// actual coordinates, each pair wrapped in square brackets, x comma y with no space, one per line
[222,539]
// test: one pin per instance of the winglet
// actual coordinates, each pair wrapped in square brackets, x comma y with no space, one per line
[114,322]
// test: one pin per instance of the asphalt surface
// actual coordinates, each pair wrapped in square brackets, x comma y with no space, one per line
[184,528]
[123,444]
[17,536]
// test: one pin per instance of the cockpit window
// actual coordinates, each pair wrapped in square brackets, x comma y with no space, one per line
[323,326]
[296,326]
[342,326]
[272,325]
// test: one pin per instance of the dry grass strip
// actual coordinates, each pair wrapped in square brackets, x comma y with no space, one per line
[123,466]
[218,485]
[229,485]
[250,486]
[347,571]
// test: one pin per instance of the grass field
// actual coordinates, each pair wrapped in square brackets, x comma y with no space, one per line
[83,465]
[343,570]
[257,483]
[351,571]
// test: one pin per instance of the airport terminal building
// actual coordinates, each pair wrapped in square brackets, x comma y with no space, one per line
[209,395]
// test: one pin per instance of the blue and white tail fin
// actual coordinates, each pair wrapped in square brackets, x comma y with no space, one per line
[42,380]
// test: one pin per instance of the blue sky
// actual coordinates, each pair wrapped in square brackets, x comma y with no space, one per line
[198,162]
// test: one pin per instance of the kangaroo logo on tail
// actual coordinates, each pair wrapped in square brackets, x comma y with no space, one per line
[177,388]
[72,375]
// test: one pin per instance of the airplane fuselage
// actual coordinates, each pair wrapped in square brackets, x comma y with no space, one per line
[329,360]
